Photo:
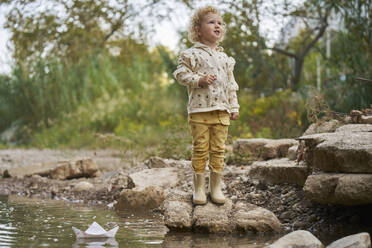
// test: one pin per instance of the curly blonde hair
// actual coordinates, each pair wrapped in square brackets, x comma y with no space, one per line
[196,21]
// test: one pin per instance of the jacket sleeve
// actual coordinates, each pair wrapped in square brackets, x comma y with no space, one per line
[233,87]
[186,70]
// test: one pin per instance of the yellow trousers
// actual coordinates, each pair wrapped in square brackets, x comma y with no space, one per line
[209,134]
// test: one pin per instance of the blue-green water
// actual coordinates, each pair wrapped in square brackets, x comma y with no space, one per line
[28,222]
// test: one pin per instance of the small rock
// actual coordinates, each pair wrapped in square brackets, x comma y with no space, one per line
[303,239]
[148,198]
[325,127]
[292,152]
[249,217]
[6,174]
[156,162]
[83,186]
[285,215]
[360,240]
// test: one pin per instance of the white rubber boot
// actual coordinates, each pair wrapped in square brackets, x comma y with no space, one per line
[198,196]
[215,181]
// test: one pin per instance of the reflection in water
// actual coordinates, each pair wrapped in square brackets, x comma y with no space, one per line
[96,243]
[186,240]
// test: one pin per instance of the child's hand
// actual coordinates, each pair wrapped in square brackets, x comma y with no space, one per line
[207,80]
[234,116]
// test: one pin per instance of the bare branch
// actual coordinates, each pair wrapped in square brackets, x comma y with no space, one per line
[317,37]
[289,54]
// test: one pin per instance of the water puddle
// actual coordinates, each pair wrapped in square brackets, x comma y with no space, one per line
[26,222]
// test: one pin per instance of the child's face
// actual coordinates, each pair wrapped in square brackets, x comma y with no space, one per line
[211,29]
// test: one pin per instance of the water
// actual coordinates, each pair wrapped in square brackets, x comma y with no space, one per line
[26,222]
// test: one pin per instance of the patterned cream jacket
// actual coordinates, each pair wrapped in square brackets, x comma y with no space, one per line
[199,61]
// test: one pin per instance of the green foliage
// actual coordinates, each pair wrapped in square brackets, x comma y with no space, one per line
[343,91]
[277,116]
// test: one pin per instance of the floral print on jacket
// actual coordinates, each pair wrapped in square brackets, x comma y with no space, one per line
[199,61]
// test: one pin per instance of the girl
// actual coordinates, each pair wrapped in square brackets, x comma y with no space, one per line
[208,74]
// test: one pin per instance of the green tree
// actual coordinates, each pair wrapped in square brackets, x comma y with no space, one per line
[71,30]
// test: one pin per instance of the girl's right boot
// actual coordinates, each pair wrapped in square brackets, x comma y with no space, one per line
[198,196]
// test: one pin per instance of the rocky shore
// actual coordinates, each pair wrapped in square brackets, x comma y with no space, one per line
[272,194]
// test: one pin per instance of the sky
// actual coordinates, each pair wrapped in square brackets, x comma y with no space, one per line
[5,57]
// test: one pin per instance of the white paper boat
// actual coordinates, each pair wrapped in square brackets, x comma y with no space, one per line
[95,231]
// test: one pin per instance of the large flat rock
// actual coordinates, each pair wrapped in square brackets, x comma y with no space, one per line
[212,218]
[180,214]
[355,128]
[158,177]
[348,150]
[106,160]
[336,188]
[279,171]
[263,148]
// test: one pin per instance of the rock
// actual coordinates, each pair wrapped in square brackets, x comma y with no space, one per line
[75,169]
[151,187]
[146,198]
[263,148]
[325,127]
[212,218]
[120,180]
[366,119]
[297,239]
[355,128]
[6,174]
[279,171]
[156,162]
[60,170]
[178,211]
[249,217]
[180,214]
[292,152]
[83,186]
[285,215]
[336,188]
[164,178]
[360,240]
[348,152]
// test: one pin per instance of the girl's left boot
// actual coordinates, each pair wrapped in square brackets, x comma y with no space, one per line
[215,188]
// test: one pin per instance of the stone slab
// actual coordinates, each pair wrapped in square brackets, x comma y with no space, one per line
[279,171]
[336,188]
[263,148]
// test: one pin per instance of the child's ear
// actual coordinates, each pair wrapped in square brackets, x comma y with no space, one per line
[197,30]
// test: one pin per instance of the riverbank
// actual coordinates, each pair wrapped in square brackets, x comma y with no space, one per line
[285,200]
